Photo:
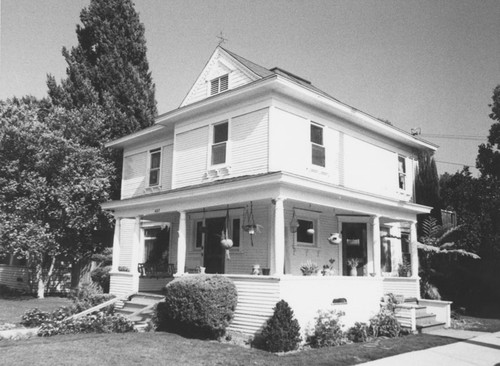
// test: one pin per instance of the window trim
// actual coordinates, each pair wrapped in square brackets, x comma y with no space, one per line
[316,145]
[149,169]
[195,219]
[212,144]
[312,217]
[219,84]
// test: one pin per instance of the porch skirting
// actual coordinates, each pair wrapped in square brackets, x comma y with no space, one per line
[358,297]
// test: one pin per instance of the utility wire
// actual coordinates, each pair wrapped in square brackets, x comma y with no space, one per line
[448,162]
[454,137]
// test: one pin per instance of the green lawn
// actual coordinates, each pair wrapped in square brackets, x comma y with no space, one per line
[12,308]
[170,349]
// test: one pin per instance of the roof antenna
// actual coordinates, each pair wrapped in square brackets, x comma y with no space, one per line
[221,38]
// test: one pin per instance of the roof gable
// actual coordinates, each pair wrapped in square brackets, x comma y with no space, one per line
[222,62]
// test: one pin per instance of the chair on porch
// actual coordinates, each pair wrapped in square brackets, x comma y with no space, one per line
[156,270]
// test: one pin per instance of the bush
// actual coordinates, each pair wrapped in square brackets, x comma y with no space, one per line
[101,276]
[385,324]
[358,333]
[327,330]
[34,318]
[282,331]
[89,295]
[199,306]
[95,323]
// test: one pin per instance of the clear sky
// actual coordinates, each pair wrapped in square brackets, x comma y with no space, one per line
[426,64]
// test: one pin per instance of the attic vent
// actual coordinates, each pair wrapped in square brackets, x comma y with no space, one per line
[219,85]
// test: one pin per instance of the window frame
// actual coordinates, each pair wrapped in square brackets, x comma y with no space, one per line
[196,219]
[219,84]
[402,173]
[220,143]
[310,216]
[152,152]
[318,146]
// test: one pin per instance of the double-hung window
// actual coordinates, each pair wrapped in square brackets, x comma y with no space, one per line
[154,167]
[219,85]
[219,143]
[401,172]
[317,145]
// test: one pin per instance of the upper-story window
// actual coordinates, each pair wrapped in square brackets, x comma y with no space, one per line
[154,167]
[402,172]
[219,85]
[317,145]
[219,143]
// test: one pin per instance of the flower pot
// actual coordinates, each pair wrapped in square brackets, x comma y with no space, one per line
[266,271]
[353,271]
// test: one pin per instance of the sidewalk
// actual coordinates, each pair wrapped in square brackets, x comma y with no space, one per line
[476,348]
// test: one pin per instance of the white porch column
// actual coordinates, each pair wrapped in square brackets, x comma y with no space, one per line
[136,246]
[116,245]
[279,236]
[414,249]
[181,243]
[376,245]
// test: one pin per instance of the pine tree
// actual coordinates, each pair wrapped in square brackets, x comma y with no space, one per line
[109,67]
[282,331]
[488,158]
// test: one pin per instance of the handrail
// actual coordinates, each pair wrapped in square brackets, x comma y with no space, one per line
[100,306]
[130,316]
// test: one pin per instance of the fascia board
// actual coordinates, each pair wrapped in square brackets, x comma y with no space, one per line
[142,135]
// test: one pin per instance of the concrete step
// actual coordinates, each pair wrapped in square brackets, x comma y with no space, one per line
[430,327]
[426,319]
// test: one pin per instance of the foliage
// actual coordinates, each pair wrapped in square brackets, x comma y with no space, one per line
[353,262]
[427,181]
[87,296]
[328,269]
[404,269]
[384,323]
[488,158]
[358,333]
[309,268]
[199,306]
[327,330]
[99,322]
[101,276]
[51,186]
[282,330]
[34,318]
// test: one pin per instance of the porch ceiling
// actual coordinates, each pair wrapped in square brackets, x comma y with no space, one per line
[264,187]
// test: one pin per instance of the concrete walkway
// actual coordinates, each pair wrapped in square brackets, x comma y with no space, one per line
[476,348]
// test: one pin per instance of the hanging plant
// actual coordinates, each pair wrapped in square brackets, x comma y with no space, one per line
[249,224]
[226,241]
[335,238]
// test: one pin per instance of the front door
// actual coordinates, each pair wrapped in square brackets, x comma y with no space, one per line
[354,245]
[214,252]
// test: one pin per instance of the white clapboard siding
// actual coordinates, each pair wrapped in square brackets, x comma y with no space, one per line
[121,284]
[190,157]
[249,142]
[408,287]
[257,296]
[369,168]
[134,175]
[166,167]
[14,277]
[126,240]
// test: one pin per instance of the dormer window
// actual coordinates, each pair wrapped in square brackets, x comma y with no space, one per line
[154,167]
[219,85]
[402,172]
[219,143]
[317,145]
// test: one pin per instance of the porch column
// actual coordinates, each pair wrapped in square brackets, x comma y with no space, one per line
[414,249]
[279,236]
[136,246]
[181,243]
[116,245]
[376,245]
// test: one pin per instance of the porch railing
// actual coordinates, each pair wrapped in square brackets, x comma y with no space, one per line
[156,270]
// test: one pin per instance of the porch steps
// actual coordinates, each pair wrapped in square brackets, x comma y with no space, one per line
[423,321]
[139,308]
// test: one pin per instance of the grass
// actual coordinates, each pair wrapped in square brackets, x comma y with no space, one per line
[12,308]
[476,324]
[170,349]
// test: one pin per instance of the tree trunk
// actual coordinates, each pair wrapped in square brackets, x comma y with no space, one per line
[39,279]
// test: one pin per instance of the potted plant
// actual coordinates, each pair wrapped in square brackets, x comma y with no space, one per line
[328,268]
[309,268]
[353,265]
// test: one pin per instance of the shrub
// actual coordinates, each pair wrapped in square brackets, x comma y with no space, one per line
[34,318]
[327,330]
[95,323]
[199,306]
[385,324]
[358,333]
[89,295]
[101,276]
[282,331]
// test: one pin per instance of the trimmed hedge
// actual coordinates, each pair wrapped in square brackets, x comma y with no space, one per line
[282,331]
[197,306]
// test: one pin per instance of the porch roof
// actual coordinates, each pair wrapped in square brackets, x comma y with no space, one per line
[260,187]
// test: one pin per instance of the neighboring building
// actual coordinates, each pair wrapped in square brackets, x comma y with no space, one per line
[250,145]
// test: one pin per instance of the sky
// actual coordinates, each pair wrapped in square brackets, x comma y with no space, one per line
[427,65]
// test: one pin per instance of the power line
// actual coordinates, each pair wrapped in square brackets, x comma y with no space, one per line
[454,137]
[460,164]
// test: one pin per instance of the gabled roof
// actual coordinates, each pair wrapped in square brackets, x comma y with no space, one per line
[257,69]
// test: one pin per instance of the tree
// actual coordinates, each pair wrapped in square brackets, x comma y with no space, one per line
[109,67]
[488,158]
[51,185]
[427,181]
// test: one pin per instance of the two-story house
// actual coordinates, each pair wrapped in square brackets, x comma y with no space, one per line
[278,165]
